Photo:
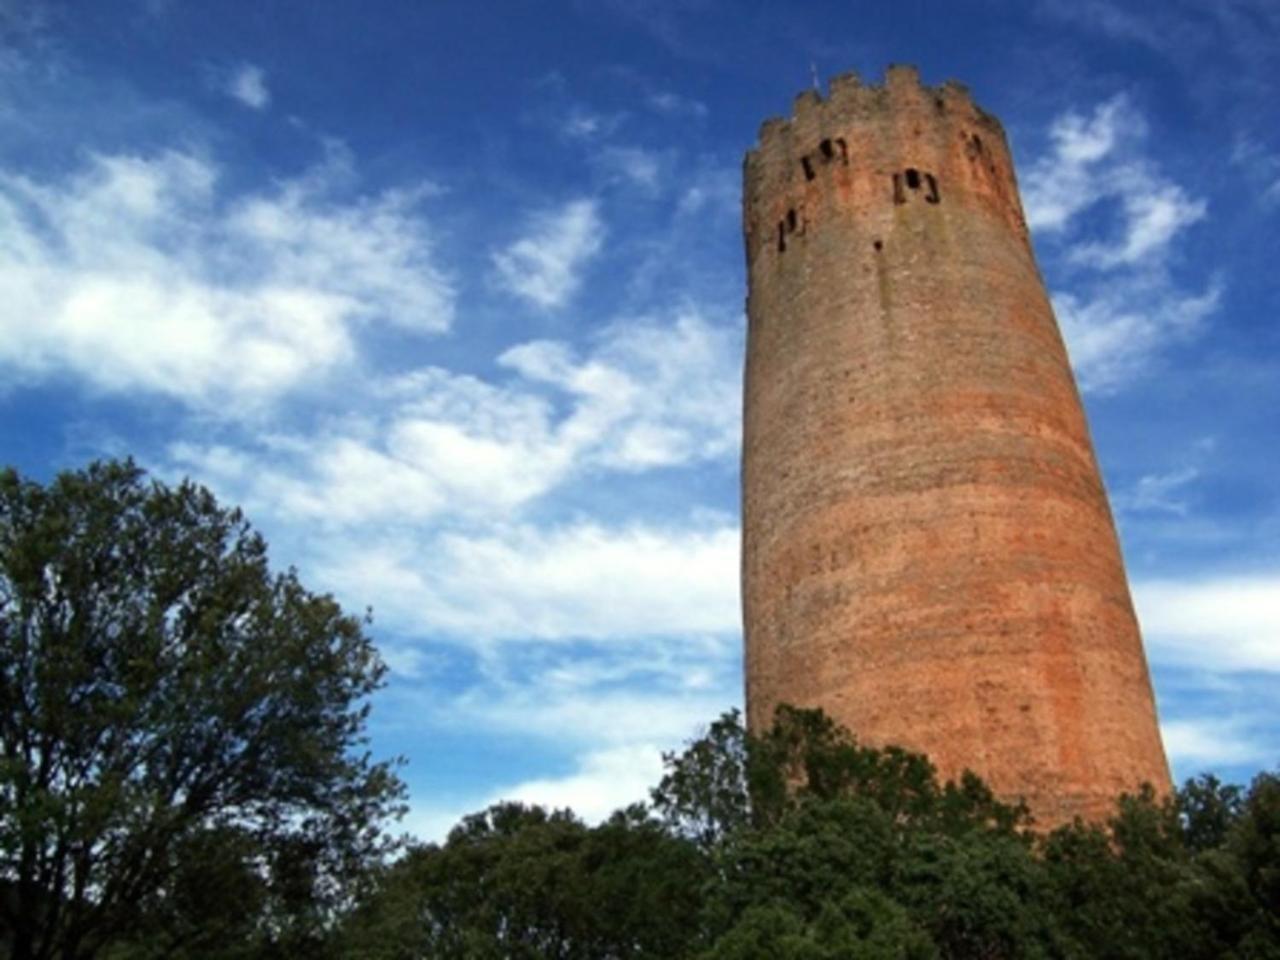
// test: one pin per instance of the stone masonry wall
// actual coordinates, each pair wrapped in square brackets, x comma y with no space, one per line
[928,550]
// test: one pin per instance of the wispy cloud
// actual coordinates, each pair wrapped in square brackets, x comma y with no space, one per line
[1116,329]
[600,717]
[582,123]
[1239,32]
[1117,301]
[530,584]
[136,272]
[1167,491]
[1158,492]
[633,166]
[417,505]
[608,710]
[1261,166]
[674,104]
[1214,741]
[247,83]
[1113,20]
[604,781]
[1216,624]
[1097,158]
[544,266]
[653,393]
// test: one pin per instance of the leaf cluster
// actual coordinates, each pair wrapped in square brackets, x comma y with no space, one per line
[802,844]
[167,701]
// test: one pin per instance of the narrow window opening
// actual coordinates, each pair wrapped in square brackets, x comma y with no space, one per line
[791,221]
[913,178]
[844,150]
[977,142]
[782,236]
[897,189]
[827,150]
[808,168]
[878,245]
[932,195]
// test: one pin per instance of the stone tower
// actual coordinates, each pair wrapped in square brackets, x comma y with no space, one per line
[928,551]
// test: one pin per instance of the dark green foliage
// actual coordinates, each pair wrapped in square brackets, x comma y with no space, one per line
[704,793]
[1254,845]
[803,845]
[864,925]
[1209,810]
[180,729]
[800,844]
[1148,887]
[833,819]
[519,882]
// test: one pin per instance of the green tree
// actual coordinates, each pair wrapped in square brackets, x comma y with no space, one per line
[524,883]
[1147,886]
[803,824]
[864,925]
[706,792]
[1209,809]
[729,780]
[797,843]
[1254,846]
[164,696]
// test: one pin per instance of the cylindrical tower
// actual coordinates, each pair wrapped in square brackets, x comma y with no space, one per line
[928,552]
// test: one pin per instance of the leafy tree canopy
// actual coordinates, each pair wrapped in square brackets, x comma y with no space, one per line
[801,844]
[181,730]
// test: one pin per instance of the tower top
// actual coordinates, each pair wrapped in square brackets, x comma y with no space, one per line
[847,96]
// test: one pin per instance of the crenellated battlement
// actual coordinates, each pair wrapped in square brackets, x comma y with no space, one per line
[848,96]
[865,149]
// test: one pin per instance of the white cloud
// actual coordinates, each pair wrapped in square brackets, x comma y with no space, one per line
[1060,184]
[1115,330]
[602,781]
[1221,625]
[134,273]
[1154,215]
[651,394]
[1157,492]
[717,191]
[1260,165]
[1211,741]
[248,84]
[633,166]
[1120,308]
[609,710]
[583,124]
[406,660]
[1107,18]
[673,104]
[416,509]
[545,265]
[528,584]
[1096,159]
[588,696]
[428,823]
[605,781]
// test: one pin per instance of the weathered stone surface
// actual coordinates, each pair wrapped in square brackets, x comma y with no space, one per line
[928,549]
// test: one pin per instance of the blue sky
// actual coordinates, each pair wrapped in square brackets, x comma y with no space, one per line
[449,297]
